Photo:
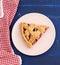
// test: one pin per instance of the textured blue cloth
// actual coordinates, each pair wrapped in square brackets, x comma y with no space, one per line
[50,8]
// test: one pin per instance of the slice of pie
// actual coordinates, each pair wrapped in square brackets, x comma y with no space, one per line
[31,33]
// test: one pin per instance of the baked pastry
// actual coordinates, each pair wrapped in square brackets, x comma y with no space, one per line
[31,33]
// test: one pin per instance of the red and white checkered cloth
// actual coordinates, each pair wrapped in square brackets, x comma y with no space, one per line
[6,55]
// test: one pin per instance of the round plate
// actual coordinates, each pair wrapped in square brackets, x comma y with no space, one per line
[43,44]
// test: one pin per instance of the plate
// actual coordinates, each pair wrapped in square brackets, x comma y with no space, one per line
[43,44]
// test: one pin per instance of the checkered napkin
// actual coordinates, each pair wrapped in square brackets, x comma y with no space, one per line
[6,54]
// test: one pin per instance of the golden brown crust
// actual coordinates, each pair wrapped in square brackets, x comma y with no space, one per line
[27,43]
[32,32]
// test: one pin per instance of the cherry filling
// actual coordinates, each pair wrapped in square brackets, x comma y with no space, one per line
[24,30]
[29,36]
[35,29]
[28,24]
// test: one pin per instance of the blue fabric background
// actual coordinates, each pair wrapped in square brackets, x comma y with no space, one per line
[50,8]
